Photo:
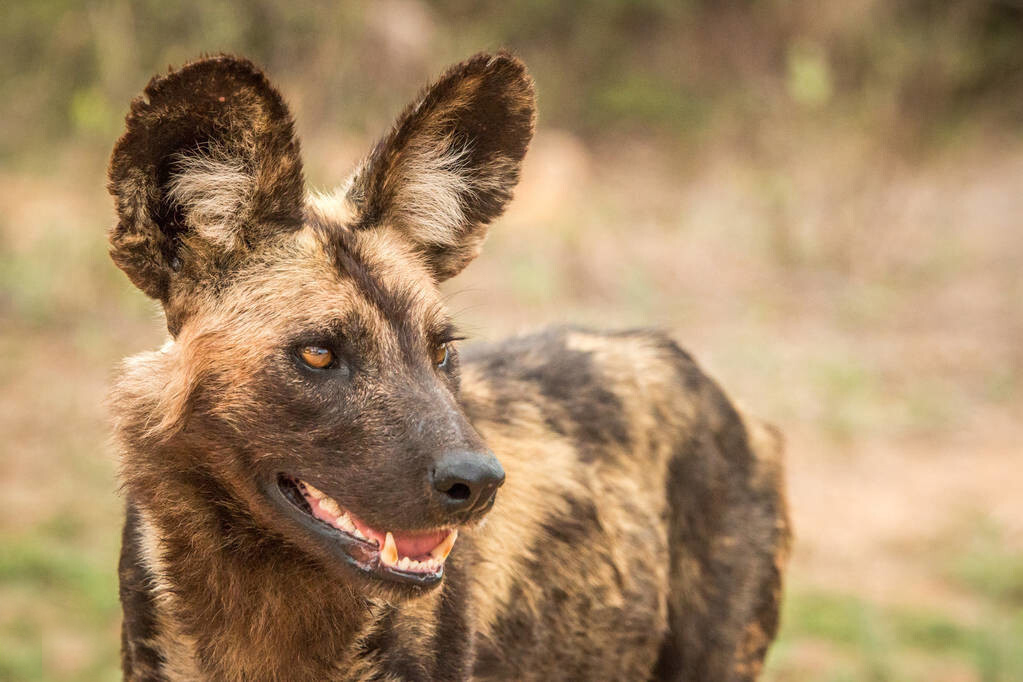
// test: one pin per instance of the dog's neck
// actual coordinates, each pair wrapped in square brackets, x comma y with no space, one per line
[225,608]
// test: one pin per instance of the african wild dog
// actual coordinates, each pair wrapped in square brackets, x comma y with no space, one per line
[301,455]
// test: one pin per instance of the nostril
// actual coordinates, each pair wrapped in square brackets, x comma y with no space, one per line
[459,491]
[465,480]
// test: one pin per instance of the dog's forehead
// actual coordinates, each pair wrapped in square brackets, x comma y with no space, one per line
[326,272]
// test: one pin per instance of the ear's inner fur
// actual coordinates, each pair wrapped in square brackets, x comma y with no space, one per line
[207,168]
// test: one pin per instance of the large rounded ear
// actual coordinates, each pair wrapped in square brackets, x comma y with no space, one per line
[208,167]
[449,165]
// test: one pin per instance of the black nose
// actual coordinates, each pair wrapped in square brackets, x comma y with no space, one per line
[467,480]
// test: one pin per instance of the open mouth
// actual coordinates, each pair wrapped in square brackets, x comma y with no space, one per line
[415,557]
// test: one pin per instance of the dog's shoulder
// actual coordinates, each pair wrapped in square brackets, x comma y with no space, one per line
[576,367]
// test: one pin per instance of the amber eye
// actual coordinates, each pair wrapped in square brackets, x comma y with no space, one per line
[317,357]
[440,355]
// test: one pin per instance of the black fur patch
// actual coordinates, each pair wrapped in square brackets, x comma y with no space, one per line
[138,659]
[578,399]
[395,659]
[453,645]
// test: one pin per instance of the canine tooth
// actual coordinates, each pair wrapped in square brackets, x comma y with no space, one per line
[329,505]
[313,492]
[441,551]
[389,553]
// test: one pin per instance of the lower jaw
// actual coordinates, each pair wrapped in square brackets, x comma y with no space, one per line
[361,555]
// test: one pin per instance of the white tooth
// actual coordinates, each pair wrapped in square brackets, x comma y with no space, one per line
[345,523]
[313,492]
[403,563]
[358,533]
[330,506]
[441,551]
[413,564]
[389,553]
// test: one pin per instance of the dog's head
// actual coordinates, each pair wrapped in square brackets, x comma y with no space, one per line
[310,388]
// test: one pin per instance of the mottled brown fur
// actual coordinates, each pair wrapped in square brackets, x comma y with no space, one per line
[641,532]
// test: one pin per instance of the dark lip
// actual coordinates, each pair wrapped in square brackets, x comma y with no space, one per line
[360,555]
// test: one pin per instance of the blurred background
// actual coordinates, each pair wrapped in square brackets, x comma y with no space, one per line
[822,201]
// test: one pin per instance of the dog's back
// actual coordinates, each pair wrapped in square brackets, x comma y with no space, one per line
[643,519]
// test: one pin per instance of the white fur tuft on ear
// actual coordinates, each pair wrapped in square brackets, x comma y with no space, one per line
[430,191]
[213,189]
[437,182]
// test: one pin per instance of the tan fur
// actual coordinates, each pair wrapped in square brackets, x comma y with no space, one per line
[506,539]
[331,207]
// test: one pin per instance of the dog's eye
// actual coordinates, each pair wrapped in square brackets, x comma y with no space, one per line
[317,357]
[440,355]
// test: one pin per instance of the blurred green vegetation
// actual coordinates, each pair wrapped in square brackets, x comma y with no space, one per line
[882,643]
[910,70]
[75,609]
